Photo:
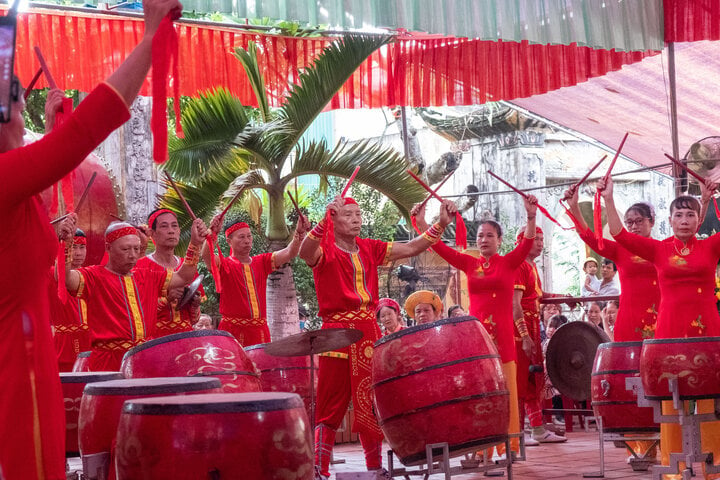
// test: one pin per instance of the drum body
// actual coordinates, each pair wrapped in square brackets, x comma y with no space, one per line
[102,404]
[283,374]
[440,382]
[694,362]
[190,353]
[235,381]
[82,362]
[252,436]
[615,362]
[73,384]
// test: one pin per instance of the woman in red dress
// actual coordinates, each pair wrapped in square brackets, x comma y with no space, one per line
[686,276]
[640,296]
[491,284]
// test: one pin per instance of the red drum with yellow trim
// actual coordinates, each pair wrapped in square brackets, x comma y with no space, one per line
[202,352]
[82,362]
[73,384]
[694,362]
[102,404]
[440,382]
[614,362]
[283,374]
[249,436]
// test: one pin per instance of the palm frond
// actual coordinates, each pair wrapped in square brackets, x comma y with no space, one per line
[213,124]
[249,61]
[381,168]
[318,83]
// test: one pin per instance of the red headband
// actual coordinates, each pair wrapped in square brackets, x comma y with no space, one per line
[78,240]
[119,233]
[153,216]
[349,201]
[521,235]
[235,226]
[387,302]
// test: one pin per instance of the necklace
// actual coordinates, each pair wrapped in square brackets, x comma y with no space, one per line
[354,250]
[486,264]
[683,251]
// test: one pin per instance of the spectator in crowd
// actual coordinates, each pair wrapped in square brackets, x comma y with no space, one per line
[591,285]
[424,306]
[456,311]
[609,284]
[388,315]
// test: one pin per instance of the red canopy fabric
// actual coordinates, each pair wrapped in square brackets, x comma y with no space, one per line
[84,48]
[691,20]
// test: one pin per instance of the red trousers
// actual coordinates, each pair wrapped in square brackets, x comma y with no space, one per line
[247,335]
[529,387]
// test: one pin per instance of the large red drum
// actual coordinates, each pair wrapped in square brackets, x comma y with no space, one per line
[235,381]
[249,436]
[440,382]
[102,404]
[82,362]
[694,362]
[283,374]
[73,384]
[202,352]
[615,362]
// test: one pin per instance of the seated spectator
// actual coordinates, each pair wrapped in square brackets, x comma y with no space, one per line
[424,306]
[456,311]
[547,311]
[591,285]
[609,284]
[205,322]
[388,314]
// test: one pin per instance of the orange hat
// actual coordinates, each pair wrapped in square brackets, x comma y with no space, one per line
[422,296]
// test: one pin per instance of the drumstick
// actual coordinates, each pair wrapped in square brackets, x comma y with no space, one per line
[232,200]
[437,188]
[295,204]
[617,154]
[350,180]
[684,167]
[516,190]
[582,180]
[80,202]
[424,185]
[180,195]
[32,84]
[45,69]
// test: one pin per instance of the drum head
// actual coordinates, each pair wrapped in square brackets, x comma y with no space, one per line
[570,356]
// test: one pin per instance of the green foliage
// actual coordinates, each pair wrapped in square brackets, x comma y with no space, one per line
[34,113]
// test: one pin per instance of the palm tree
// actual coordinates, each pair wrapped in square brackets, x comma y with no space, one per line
[229,146]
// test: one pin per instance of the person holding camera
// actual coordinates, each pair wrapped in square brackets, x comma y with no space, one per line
[32,420]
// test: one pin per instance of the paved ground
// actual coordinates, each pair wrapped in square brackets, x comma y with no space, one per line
[580,454]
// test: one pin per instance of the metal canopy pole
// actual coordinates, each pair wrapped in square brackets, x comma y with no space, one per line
[673,116]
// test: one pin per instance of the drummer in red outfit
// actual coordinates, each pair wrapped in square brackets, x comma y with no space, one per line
[164,231]
[346,280]
[526,312]
[491,280]
[122,302]
[70,316]
[686,275]
[244,280]
[32,420]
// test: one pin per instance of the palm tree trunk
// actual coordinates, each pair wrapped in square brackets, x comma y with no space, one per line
[281,296]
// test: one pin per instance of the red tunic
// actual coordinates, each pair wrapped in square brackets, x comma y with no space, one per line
[347,293]
[640,297]
[122,310]
[242,302]
[491,286]
[69,320]
[687,283]
[169,319]
[28,254]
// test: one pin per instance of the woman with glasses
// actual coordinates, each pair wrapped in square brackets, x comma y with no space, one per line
[686,277]
[637,314]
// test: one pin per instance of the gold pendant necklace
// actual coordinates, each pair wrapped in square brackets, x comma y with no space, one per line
[683,251]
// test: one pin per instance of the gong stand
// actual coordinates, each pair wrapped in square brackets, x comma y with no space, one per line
[690,425]
[470,464]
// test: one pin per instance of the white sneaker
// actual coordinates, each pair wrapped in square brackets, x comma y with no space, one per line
[549,437]
[530,441]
